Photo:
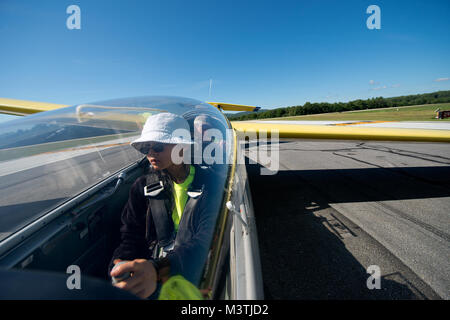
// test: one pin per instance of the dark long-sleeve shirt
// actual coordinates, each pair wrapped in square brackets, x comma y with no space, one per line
[193,239]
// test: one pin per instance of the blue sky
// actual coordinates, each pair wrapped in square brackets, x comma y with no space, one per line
[265,53]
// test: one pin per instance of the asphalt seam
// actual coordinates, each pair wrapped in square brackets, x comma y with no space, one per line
[391,210]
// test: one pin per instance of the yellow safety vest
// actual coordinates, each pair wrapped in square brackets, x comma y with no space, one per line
[180,197]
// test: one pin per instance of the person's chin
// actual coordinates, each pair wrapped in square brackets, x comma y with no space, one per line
[156,165]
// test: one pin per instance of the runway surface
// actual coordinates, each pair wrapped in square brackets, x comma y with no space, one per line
[335,208]
[31,186]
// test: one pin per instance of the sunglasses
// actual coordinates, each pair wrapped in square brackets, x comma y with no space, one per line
[157,147]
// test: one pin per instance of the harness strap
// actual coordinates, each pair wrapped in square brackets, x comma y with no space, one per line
[157,207]
[188,211]
[163,223]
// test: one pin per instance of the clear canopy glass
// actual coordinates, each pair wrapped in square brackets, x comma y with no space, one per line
[50,157]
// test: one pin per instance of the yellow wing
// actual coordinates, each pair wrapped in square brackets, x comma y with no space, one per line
[233,107]
[398,131]
[23,107]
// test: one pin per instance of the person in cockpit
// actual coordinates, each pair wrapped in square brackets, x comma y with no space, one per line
[211,135]
[166,229]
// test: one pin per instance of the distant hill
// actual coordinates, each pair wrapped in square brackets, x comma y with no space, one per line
[325,107]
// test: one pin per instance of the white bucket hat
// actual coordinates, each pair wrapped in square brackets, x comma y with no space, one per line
[161,128]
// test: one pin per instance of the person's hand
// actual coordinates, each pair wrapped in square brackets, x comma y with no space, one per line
[142,282]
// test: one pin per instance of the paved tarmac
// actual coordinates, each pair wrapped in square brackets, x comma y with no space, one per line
[41,182]
[337,207]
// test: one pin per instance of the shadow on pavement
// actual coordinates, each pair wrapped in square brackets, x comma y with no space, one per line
[303,259]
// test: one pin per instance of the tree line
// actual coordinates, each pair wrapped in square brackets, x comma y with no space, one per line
[325,107]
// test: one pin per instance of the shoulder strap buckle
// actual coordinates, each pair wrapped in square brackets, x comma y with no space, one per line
[154,189]
[195,193]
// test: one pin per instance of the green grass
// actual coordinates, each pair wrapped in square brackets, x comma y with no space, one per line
[410,113]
